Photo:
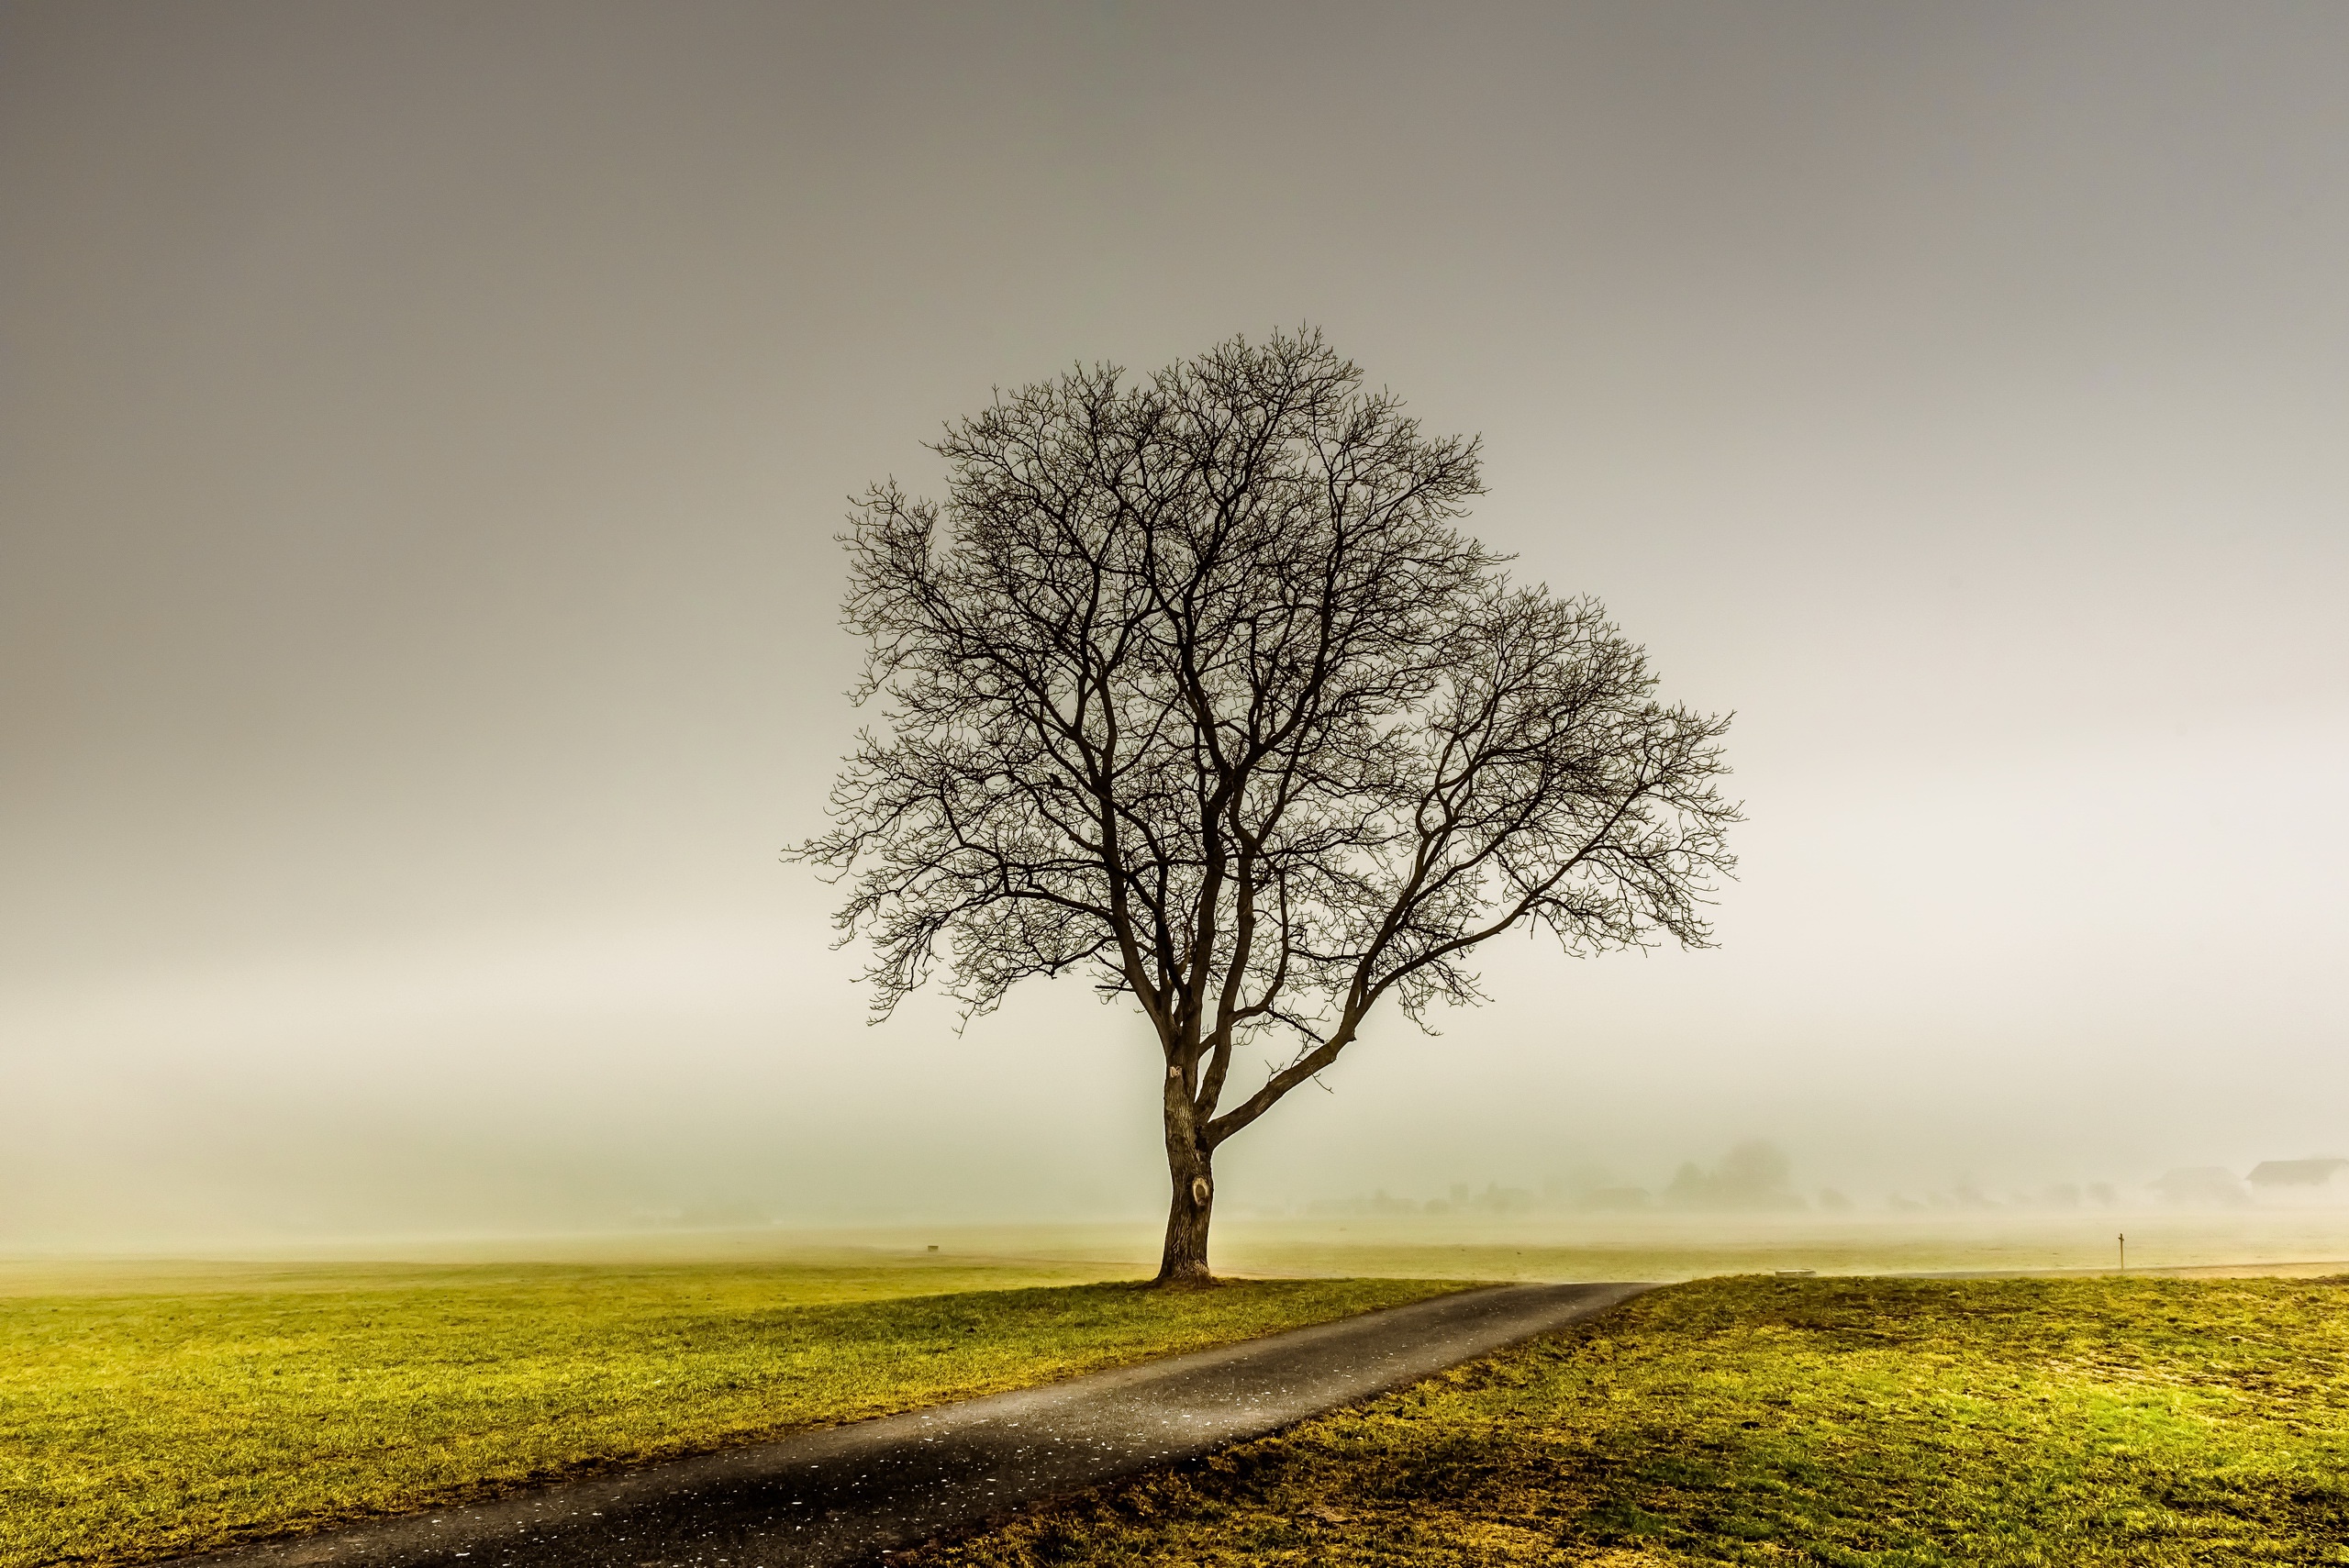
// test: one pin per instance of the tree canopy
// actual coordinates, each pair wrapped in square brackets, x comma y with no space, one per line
[1193,687]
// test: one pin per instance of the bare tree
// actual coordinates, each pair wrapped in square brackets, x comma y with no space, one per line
[1193,688]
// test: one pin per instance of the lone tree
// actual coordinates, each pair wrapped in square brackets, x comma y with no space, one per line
[1192,687]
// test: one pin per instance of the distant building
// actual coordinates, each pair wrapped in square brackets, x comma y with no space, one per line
[2271,1173]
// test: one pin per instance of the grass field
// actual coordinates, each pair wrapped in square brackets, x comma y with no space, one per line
[1895,1424]
[1557,1245]
[154,1409]
[1679,1245]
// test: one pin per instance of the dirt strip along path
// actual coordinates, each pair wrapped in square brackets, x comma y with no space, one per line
[847,1495]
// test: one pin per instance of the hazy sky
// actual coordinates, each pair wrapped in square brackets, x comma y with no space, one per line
[423,427]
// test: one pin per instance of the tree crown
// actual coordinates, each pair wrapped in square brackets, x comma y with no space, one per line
[1194,686]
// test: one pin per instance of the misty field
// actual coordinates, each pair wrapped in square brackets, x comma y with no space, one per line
[1669,1245]
[1892,1423]
[164,1410]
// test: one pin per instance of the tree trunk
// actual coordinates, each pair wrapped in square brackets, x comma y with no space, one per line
[1190,1164]
[1184,1261]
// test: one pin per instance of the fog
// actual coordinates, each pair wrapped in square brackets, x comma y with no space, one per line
[423,429]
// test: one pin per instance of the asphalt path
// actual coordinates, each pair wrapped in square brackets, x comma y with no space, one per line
[847,1495]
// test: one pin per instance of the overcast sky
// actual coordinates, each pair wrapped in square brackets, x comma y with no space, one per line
[423,429]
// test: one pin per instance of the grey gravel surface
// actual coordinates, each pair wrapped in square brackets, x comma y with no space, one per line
[849,1495]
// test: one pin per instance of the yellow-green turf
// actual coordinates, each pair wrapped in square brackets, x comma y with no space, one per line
[1891,1423]
[187,1409]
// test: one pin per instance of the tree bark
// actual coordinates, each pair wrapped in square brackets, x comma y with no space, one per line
[1190,1166]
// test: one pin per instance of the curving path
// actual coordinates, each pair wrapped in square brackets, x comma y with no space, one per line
[846,1495]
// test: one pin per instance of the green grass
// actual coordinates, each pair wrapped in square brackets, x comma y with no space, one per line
[1891,1423]
[155,1412]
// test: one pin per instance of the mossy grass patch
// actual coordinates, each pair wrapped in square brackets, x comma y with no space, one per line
[148,1424]
[1841,1422]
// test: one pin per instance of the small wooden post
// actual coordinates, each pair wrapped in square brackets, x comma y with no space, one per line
[2124,1251]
